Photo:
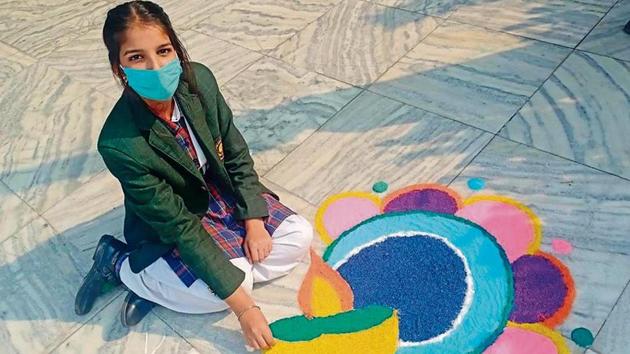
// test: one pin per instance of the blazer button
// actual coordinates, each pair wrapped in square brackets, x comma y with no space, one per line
[203,188]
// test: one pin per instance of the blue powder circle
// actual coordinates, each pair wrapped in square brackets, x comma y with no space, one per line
[420,276]
[476,183]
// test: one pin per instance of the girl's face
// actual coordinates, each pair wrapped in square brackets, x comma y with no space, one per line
[146,47]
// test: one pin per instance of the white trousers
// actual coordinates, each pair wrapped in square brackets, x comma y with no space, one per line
[158,282]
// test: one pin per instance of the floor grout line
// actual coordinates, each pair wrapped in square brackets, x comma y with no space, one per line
[471,160]
[310,135]
[536,39]
[176,331]
[66,338]
[440,23]
[612,309]
[596,24]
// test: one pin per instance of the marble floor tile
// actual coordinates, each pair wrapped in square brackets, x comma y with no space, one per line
[586,207]
[38,27]
[104,334]
[372,139]
[38,283]
[608,37]
[12,61]
[581,113]
[470,74]
[563,22]
[440,8]
[51,149]
[225,59]
[260,24]
[38,88]
[84,60]
[15,213]
[613,337]
[277,106]
[356,41]
[92,210]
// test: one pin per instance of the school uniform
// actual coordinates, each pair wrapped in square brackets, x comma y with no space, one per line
[188,184]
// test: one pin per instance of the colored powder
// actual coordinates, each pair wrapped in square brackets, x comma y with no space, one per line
[380,187]
[300,328]
[521,341]
[425,199]
[582,337]
[561,246]
[476,183]
[421,277]
[539,289]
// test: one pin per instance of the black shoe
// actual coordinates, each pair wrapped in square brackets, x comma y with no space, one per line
[102,273]
[627,28]
[134,308]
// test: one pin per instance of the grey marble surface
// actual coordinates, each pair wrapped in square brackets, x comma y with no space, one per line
[440,8]
[225,59]
[92,210]
[563,22]
[12,61]
[38,27]
[469,74]
[356,41]
[612,338]
[104,334]
[84,60]
[372,139]
[589,208]
[38,282]
[277,106]
[50,148]
[608,38]
[581,113]
[15,212]
[260,24]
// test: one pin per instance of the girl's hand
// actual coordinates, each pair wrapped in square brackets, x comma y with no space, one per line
[256,329]
[258,243]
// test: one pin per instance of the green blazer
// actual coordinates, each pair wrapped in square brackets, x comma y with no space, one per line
[165,194]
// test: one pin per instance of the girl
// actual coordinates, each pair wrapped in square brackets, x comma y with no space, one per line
[200,227]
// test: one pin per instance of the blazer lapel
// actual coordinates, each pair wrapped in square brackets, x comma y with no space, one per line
[195,115]
[160,137]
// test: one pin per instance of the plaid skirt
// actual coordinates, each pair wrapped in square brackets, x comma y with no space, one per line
[227,232]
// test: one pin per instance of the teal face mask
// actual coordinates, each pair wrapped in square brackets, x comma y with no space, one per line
[159,85]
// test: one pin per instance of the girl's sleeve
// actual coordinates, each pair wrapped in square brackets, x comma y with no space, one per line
[154,201]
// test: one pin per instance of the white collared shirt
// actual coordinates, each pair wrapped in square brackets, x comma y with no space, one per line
[177,115]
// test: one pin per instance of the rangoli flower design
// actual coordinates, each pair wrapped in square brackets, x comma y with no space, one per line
[422,270]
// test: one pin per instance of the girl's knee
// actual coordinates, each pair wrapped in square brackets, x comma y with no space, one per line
[304,232]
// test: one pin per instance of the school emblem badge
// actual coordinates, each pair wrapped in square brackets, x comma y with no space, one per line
[219,147]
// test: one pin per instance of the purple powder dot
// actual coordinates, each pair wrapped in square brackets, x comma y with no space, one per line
[539,289]
[425,199]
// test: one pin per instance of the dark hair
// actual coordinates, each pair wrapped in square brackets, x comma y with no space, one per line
[123,16]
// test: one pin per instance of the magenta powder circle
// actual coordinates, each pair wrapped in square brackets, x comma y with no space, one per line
[424,199]
[539,289]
